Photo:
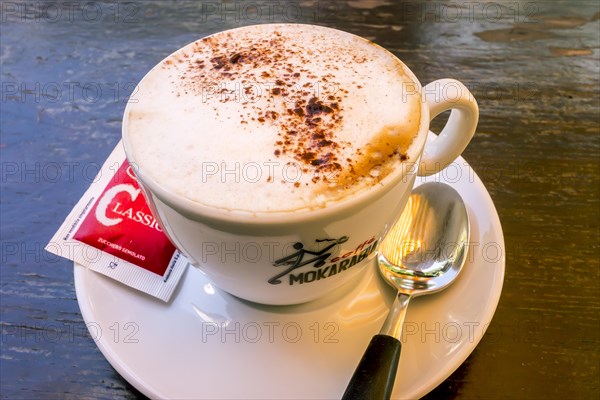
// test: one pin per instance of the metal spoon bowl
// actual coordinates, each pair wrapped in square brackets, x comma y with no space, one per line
[422,254]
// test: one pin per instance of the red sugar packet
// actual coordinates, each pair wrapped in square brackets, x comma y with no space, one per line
[111,230]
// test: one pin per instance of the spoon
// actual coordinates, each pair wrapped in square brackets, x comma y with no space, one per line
[423,253]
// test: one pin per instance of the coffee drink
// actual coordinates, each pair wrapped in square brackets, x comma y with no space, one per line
[275,157]
[273,118]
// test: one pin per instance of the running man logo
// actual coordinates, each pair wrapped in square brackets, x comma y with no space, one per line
[318,259]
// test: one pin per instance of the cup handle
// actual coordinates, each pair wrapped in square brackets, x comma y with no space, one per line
[440,151]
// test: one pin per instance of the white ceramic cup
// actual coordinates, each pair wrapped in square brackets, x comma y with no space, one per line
[292,257]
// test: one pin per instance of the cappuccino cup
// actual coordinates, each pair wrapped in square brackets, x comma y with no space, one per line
[276,157]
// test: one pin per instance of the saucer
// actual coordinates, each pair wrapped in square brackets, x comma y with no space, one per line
[206,343]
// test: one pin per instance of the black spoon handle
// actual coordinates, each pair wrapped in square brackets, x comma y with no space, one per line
[375,374]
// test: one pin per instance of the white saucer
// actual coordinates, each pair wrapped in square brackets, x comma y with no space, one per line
[208,344]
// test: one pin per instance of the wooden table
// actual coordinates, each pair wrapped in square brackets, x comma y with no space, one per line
[67,69]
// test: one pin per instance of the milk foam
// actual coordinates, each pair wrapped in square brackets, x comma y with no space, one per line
[272,118]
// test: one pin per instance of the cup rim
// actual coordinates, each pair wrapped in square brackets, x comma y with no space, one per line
[198,211]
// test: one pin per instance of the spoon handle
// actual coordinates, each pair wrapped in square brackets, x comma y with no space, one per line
[375,374]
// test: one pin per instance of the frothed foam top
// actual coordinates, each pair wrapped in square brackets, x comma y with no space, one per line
[273,118]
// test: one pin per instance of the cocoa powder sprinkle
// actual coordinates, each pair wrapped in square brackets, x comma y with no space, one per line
[306,119]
